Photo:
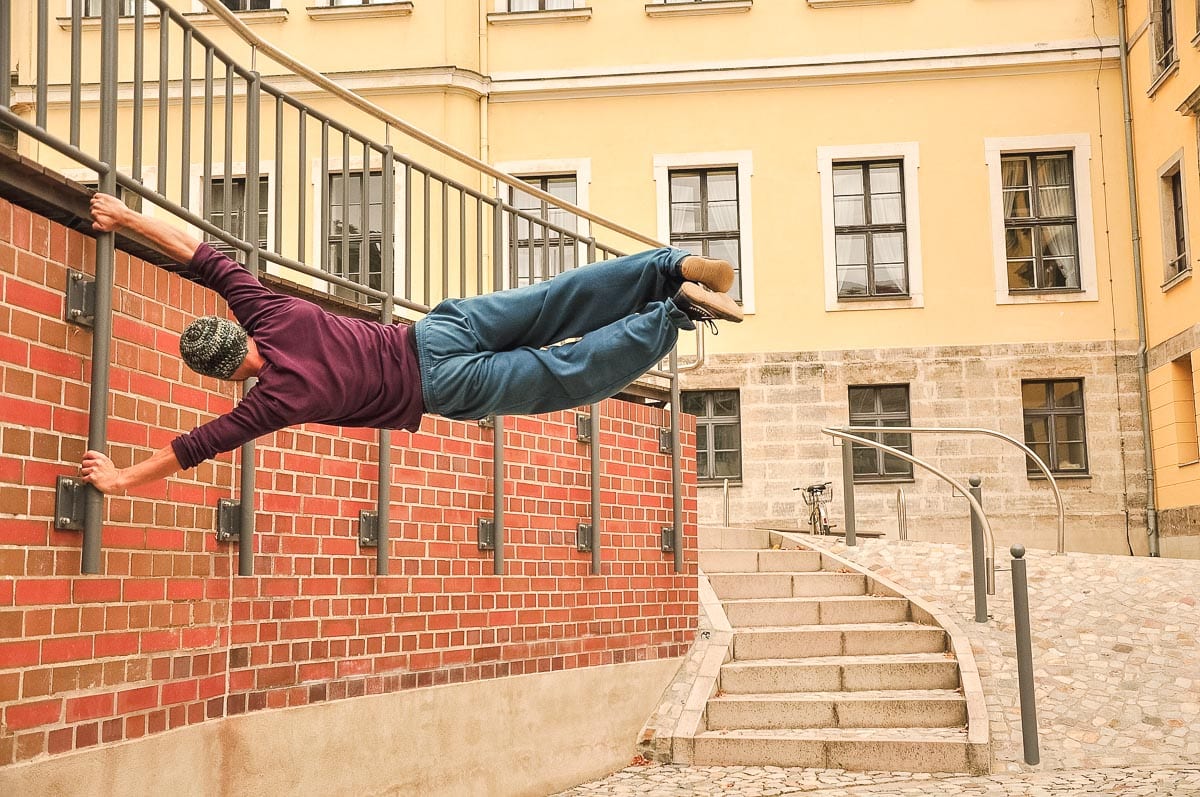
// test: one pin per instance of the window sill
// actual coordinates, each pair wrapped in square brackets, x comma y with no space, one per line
[844,3]
[364,11]
[718,483]
[861,481]
[1045,297]
[1162,78]
[267,16]
[1188,464]
[1178,278]
[1038,476]
[692,8]
[537,17]
[850,303]
[124,23]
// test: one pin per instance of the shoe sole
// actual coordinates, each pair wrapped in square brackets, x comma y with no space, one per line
[720,305]
[716,275]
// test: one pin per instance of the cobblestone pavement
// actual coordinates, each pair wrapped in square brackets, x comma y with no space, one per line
[1117,660]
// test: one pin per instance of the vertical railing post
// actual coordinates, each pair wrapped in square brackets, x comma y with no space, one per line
[1029,730]
[595,452]
[6,29]
[978,560]
[676,467]
[498,420]
[387,281]
[105,257]
[848,492]
[250,232]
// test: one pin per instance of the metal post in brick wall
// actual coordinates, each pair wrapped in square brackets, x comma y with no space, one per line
[388,283]
[595,459]
[105,260]
[676,465]
[498,420]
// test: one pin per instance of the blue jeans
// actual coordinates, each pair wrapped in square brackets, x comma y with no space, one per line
[495,354]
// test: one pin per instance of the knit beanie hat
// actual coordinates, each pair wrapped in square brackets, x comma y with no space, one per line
[213,346]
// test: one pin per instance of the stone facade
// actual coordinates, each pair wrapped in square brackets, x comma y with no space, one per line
[788,397]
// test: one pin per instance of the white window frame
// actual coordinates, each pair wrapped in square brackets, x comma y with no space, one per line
[502,7]
[743,161]
[1080,146]
[580,167]
[1167,217]
[909,152]
[319,190]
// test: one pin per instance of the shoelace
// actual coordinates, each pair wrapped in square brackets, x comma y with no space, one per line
[711,322]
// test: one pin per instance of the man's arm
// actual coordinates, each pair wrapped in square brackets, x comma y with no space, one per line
[110,214]
[100,472]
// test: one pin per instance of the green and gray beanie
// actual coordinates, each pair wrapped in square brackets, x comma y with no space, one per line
[213,346]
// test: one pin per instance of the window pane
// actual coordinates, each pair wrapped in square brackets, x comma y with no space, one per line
[1068,394]
[722,215]
[849,210]
[1019,243]
[726,436]
[1068,429]
[1071,457]
[685,188]
[685,217]
[725,403]
[848,181]
[1043,452]
[862,401]
[727,464]
[724,249]
[887,209]
[885,178]
[722,186]
[702,470]
[701,436]
[1060,272]
[1037,433]
[1034,396]
[887,247]
[894,466]
[851,250]
[852,280]
[1053,170]
[893,399]
[1016,204]
[1015,172]
[1056,202]
[866,462]
[890,280]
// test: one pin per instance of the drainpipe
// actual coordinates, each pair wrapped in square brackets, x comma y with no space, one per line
[1139,290]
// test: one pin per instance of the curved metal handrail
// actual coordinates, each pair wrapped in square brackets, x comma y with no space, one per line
[1062,522]
[989,564]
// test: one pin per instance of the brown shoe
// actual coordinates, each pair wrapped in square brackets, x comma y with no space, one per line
[716,275]
[707,306]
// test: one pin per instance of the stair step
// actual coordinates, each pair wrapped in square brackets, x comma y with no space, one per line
[837,640]
[737,538]
[841,674]
[735,586]
[913,708]
[816,611]
[759,560]
[856,749]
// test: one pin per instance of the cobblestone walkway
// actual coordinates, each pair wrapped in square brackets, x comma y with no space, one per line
[1117,655]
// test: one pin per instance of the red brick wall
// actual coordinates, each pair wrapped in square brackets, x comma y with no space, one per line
[169,635]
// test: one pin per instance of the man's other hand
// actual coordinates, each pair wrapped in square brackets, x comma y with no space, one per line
[100,472]
[109,214]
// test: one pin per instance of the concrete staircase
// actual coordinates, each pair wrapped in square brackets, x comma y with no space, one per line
[831,667]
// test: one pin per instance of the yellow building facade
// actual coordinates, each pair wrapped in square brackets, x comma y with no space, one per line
[927,202]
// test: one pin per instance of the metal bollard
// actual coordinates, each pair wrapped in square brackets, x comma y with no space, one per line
[848,491]
[725,492]
[979,567]
[1029,731]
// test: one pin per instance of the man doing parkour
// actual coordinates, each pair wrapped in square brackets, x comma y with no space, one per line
[466,359]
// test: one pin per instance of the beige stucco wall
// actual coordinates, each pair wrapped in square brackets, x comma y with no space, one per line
[524,735]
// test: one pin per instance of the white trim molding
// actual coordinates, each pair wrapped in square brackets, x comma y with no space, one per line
[1173,165]
[743,161]
[1080,146]
[843,3]
[910,154]
[695,8]
[368,10]
[503,16]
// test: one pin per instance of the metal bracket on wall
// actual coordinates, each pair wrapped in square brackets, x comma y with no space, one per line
[487,423]
[668,538]
[69,504]
[81,298]
[583,537]
[229,520]
[487,534]
[664,441]
[368,529]
[583,427]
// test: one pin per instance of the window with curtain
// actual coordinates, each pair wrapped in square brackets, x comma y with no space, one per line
[1054,424]
[705,216]
[1174,225]
[538,252]
[718,433]
[883,406]
[235,221]
[350,231]
[868,217]
[91,8]
[246,5]
[539,5]
[1040,226]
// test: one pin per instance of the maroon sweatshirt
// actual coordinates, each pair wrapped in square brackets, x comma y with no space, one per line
[319,367]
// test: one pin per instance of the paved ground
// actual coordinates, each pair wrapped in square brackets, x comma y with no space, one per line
[1117,655]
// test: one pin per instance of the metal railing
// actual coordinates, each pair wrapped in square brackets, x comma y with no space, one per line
[1041,466]
[392,235]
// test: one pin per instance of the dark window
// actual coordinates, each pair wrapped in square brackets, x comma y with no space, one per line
[868,217]
[235,222]
[718,433]
[1054,426]
[1040,229]
[705,216]
[246,5]
[1164,39]
[538,252]
[881,405]
[348,234]
[1176,238]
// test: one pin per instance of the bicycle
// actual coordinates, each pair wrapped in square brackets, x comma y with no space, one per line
[817,498]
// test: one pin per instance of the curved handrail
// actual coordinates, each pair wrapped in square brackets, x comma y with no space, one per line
[1062,522]
[990,564]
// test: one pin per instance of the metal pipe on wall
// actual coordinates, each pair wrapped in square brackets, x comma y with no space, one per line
[676,468]
[249,223]
[387,283]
